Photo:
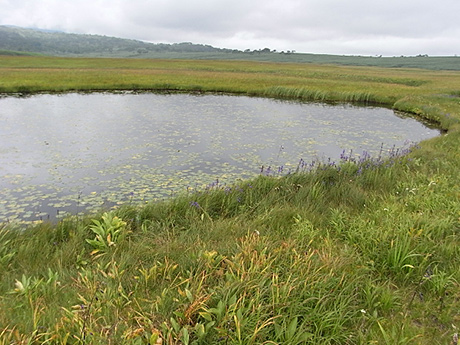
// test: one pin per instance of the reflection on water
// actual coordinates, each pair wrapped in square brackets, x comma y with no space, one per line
[75,152]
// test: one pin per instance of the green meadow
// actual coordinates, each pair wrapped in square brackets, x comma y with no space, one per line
[363,252]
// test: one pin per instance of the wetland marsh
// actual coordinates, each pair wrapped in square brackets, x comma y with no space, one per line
[69,153]
[356,253]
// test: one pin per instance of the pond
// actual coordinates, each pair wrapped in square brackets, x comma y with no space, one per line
[71,153]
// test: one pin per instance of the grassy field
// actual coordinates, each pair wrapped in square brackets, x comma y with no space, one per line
[425,62]
[364,252]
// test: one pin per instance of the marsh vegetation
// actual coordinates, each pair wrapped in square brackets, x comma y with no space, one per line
[66,154]
[365,251]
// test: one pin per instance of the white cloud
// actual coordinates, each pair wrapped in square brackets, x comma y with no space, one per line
[368,27]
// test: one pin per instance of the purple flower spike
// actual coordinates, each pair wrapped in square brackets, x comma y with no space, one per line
[195,204]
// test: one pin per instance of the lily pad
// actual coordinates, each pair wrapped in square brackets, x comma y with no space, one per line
[79,152]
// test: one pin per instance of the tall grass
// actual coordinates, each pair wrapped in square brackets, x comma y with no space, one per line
[363,251]
[326,256]
[306,94]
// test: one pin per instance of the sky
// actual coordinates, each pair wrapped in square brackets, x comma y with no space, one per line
[344,27]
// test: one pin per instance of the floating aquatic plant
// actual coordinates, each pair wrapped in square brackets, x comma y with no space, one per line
[75,170]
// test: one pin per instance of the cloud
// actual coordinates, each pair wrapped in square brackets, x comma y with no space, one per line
[390,27]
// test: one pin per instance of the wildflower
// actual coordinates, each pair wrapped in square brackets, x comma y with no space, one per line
[18,286]
[195,204]
[268,171]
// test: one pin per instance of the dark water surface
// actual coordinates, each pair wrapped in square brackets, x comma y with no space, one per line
[77,152]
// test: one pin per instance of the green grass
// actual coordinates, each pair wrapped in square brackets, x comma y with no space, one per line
[425,62]
[361,253]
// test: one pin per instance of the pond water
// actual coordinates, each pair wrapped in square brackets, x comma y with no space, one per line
[72,153]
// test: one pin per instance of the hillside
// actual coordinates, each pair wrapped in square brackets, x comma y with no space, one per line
[20,41]
[62,44]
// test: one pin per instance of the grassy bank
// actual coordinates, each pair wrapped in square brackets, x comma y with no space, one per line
[365,252]
[426,93]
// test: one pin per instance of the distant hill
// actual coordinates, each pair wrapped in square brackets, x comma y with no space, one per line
[48,42]
[22,41]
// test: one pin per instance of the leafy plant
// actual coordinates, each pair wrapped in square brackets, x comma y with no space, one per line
[110,231]
[440,283]
[291,331]
[400,256]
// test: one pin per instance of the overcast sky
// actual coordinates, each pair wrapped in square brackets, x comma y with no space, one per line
[352,27]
